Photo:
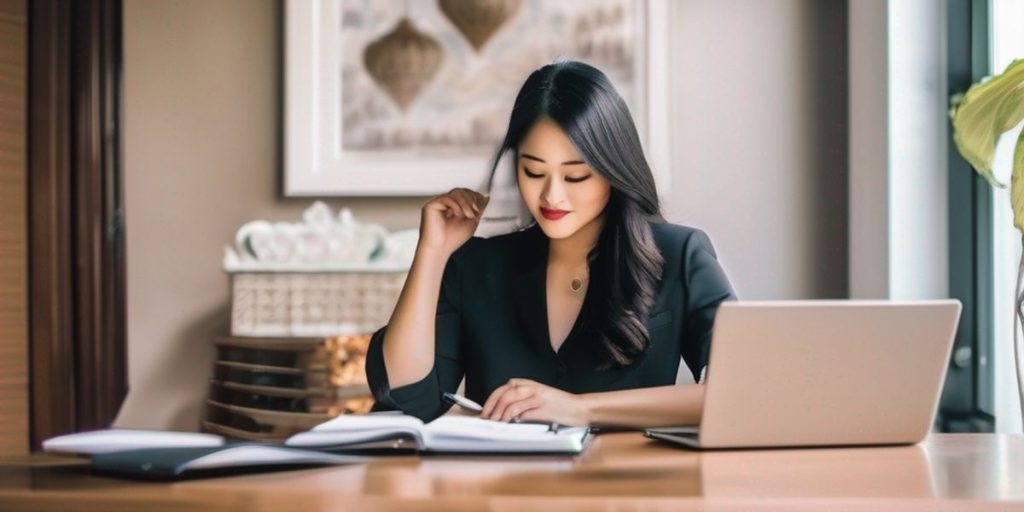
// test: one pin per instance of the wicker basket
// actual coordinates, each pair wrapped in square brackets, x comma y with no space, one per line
[312,303]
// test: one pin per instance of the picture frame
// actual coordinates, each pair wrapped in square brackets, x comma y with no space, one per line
[316,163]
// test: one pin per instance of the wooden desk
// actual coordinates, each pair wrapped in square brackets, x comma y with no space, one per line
[621,471]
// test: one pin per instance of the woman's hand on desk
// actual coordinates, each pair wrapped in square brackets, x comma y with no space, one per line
[678,404]
[450,219]
[527,400]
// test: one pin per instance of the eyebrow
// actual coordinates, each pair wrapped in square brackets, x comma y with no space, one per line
[567,162]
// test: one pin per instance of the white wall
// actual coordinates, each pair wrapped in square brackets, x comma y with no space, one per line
[869,150]
[759,162]
[898,152]
[760,153]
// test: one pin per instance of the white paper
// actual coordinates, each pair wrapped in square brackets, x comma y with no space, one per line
[113,440]
[350,422]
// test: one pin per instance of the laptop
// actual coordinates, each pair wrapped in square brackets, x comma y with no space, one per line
[822,373]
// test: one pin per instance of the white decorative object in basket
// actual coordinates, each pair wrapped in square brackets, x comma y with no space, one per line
[321,277]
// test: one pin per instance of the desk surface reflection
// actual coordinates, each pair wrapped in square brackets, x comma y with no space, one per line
[619,471]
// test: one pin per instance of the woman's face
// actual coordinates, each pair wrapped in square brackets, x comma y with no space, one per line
[563,193]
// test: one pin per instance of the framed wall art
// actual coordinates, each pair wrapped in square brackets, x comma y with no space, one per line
[412,98]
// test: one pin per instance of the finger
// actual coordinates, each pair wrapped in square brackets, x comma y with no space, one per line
[452,205]
[519,389]
[435,203]
[466,201]
[499,407]
[474,199]
[479,199]
[458,207]
[464,194]
[496,395]
[537,414]
[493,399]
[507,395]
[517,408]
[508,398]
[529,410]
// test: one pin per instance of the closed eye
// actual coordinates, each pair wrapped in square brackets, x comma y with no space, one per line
[567,178]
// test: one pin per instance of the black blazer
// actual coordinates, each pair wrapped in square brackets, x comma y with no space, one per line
[492,324]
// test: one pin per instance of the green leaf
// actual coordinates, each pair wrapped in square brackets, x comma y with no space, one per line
[1017,184]
[987,110]
[1012,111]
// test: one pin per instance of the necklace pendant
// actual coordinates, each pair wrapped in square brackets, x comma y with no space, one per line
[576,285]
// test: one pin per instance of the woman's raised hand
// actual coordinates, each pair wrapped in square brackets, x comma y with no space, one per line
[450,219]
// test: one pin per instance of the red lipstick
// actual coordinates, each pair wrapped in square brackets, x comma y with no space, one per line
[553,214]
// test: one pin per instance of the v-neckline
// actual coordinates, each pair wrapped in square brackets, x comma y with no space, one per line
[543,254]
[530,290]
[547,312]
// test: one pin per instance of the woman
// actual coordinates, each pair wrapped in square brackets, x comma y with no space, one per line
[580,319]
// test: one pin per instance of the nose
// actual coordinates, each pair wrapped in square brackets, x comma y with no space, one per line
[553,193]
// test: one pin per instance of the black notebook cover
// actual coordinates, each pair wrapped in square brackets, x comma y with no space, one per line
[230,459]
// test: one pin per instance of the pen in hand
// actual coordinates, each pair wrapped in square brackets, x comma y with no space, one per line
[474,407]
[463,402]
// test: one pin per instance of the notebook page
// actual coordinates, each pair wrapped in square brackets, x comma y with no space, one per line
[352,422]
[327,439]
[470,427]
[565,441]
[475,435]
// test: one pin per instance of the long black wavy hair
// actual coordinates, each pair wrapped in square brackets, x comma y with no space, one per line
[625,264]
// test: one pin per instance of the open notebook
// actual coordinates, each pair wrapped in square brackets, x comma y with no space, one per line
[161,454]
[447,434]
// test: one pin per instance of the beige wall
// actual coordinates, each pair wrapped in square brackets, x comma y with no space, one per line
[201,158]
[760,163]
